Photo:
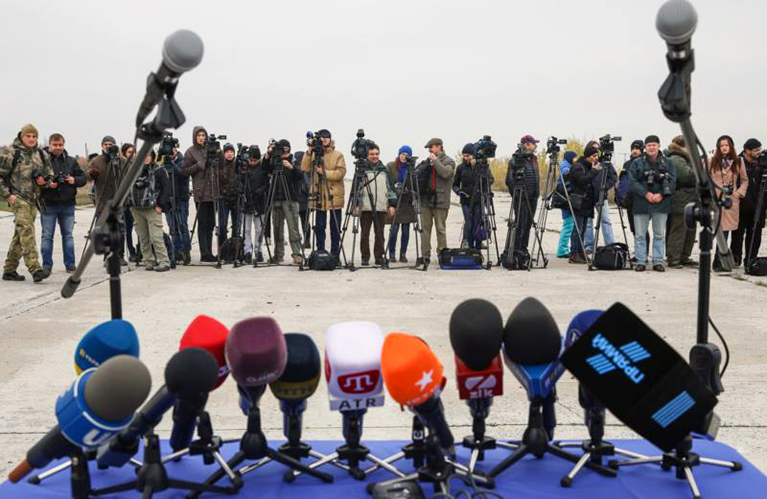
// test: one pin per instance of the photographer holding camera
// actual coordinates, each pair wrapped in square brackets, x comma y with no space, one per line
[106,172]
[326,190]
[374,212]
[24,168]
[203,188]
[581,191]
[253,182]
[652,181]
[679,238]
[466,186]
[227,205]
[60,203]
[605,146]
[756,171]
[278,163]
[439,169]
[177,216]
[150,196]
[531,179]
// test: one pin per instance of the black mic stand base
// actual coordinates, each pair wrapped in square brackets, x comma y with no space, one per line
[593,452]
[353,455]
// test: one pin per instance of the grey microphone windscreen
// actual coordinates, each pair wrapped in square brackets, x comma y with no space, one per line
[117,388]
[676,21]
[182,50]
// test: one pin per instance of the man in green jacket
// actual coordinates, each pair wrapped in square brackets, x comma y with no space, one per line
[377,199]
[436,203]
[679,239]
[24,168]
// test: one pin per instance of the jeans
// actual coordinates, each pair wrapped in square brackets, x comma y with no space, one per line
[64,215]
[605,231]
[253,220]
[472,219]
[181,240]
[393,231]
[335,230]
[642,223]
[575,238]
[224,213]
[129,222]
[568,222]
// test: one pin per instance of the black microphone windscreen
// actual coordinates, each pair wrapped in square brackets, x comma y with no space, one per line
[182,50]
[531,335]
[303,359]
[117,388]
[676,21]
[255,351]
[191,372]
[476,333]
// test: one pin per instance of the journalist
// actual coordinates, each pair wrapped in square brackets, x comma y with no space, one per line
[106,172]
[435,201]
[256,185]
[285,204]
[127,150]
[149,197]
[227,204]
[405,215]
[466,184]
[60,203]
[203,190]
[606,226]
[582,174]
[652,181]
[568,221]
[178,215]
[23,170]
[374,211]
[303,200]
[532,186]
[752,149]
[327,182]
[680,239]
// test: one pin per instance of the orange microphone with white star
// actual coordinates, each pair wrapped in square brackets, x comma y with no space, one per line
[413,376]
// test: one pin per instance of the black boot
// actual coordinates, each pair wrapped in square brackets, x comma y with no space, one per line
[13,276]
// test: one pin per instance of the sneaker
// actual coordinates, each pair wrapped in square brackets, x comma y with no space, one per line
[13,276]
[72,269]
[392,257]
[566,255]
[40,275]
[658,267]
[208,259]
[675,265]
[639,267]
[425,262]
[161,268]
[149,267]
[298,260]
[577,258]
[48,269]
[260,257]
[365,263]
[402,258]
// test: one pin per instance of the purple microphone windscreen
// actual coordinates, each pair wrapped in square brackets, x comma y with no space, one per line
[531,335]
[476,333]
[256,351]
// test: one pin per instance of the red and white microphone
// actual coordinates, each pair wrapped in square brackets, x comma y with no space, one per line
[479,384]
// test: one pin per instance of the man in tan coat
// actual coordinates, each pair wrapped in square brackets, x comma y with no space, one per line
[326,191]
[435,203]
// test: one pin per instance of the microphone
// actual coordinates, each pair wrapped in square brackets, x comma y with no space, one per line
[676,22]
[353,366]
[98,404]
[298,382]
[476,334]
[413,376]
[210,335]
[189,374]
[108,339]
[181,52]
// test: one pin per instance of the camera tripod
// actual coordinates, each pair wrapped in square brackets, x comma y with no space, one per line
[212,161]
[277,181]
[549,190]
[603,188]
[487,209]
[409,193]
[353,207]
[518,197]
[758,217]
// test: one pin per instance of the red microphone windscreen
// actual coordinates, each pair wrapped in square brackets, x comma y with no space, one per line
[210,335]
[256,351]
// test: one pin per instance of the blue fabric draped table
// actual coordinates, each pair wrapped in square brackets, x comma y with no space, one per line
[529,478]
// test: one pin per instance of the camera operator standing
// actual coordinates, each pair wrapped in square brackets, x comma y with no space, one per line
[730,181]
[203,185]
[398,172]
[178,215]
[255,183]
[599,183]
[60,203]
[327,186]
[227,205]
[568,221]
[285,202]
[106,172]
[435,201]
[466,186]
[752,149]
[582,174]
[532,185]
[637,149]
[680,239]
[149,197]
[24,168]
[373,212]
[652,180]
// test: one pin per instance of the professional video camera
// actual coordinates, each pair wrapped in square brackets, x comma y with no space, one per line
[361,145]
[518,160]
[246,153]
[553,143]
[113,150]
[661,177]
[485,148]
[167,145]
[212,142]
[314,144]
[607,147]
[761,160]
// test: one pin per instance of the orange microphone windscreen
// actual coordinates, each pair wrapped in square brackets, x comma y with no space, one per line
[411,371]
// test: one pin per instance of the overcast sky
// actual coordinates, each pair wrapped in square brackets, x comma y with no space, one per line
[404,71]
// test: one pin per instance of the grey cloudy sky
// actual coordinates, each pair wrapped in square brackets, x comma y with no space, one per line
[402,70]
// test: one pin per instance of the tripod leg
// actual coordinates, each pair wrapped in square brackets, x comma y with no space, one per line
[225,466]
[35,480]
[693,484]
[518,454]
[247,469]
[337,464]
[733,465]
[389,460]
[566,481]
[291,475]
[385,465]
[602,470]
[298,465]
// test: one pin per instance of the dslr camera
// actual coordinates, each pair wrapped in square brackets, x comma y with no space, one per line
[553,143]
[485,148]
[167,145]
[607,147]
[659,177]
[361,145]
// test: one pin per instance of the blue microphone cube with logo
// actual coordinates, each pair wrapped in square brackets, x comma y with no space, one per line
[639,377]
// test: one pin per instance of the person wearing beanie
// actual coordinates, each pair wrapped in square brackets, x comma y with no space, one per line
[204,190]
[466,184]
[24,168]
[651,175]
[680,239]
[581,191]
[285,201]
[532,187]
[749,217]
[637,148]
[568,221]
[606,225]
[150,196]
[435,201]
[405,212]
[227,202]
[326,191]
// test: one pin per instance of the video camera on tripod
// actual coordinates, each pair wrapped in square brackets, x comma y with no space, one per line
[167,145]
[484,148]
[553,143]
[607,147]
[245,154]
[361,146]
[212,143]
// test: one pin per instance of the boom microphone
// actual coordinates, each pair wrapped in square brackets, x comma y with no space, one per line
[108,339]
[181,52]
[96,407]
[210,335]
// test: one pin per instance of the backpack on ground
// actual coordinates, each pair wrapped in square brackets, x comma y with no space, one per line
[611,257]
[757,266]
[322,260]
[458,258]
[519,259]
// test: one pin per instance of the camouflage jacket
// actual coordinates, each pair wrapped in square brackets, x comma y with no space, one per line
[18,180]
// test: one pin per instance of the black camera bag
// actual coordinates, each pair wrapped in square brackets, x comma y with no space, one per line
[757,266]
[322,260]
[520,259]
[458,258]
[611,257]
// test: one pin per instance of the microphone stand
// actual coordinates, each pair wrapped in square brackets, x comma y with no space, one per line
[415,450]
[478,442]
[705,357]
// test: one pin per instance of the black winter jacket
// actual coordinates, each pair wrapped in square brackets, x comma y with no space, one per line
[293,178]
[748,203]
[532,177]
[161,194]
[581,178]
[65,194]
[179,181]
[255,182]
[465,183]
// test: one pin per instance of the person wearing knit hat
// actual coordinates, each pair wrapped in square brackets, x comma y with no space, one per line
[568,221]
[466,184]
[581,191]
[23,169]
[652,180]
[637,148]
[750,224]
[227,202]
[680,239]
[404,214]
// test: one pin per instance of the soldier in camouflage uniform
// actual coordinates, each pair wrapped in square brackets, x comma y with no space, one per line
[23,170]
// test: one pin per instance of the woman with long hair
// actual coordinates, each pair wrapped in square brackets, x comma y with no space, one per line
[730,179]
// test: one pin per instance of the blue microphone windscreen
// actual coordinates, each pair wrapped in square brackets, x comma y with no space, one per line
[107,340]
